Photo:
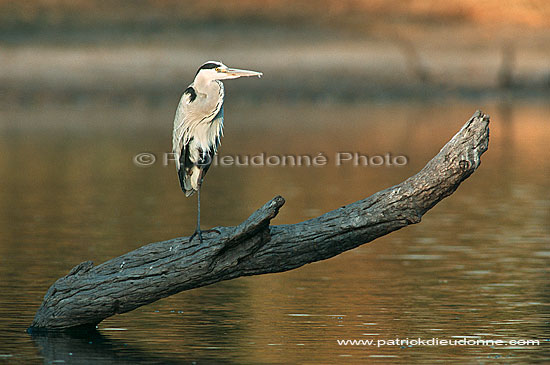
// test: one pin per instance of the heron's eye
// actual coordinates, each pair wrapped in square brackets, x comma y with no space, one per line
[218,69]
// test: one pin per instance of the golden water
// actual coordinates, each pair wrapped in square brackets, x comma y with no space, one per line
[477,265]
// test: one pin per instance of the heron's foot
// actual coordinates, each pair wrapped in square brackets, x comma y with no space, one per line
[198,232]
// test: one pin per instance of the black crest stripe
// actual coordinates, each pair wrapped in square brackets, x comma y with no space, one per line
[208,66]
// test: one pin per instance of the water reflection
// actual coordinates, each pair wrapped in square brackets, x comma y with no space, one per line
[476,266]
[96,348]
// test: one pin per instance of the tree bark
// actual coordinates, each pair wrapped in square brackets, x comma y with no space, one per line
[89,294]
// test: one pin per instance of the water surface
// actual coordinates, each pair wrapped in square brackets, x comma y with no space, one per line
[476,266]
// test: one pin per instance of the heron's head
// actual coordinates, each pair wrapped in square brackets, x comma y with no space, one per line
[214,70]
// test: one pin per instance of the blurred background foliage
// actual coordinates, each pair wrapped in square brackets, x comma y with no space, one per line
[358,13]
[322,50]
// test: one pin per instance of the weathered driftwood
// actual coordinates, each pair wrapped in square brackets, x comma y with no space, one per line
[89,294]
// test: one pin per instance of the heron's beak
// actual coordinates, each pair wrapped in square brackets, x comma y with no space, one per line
[235,72]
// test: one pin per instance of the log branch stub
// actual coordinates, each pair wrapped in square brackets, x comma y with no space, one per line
[89,294]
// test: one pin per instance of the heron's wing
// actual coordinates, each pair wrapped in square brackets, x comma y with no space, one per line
[180,120]
[180,144]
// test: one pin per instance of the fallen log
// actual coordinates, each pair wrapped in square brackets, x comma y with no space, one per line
[89,294]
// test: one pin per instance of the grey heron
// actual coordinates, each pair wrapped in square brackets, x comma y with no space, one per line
[198,127]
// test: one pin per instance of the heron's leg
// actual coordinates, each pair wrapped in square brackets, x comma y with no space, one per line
[198,231]
[199,212]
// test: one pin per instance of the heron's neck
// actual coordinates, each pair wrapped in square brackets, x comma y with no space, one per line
[206,86]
